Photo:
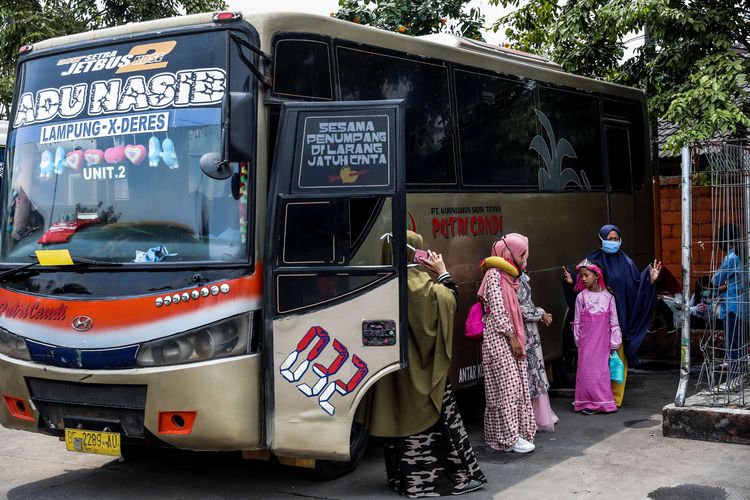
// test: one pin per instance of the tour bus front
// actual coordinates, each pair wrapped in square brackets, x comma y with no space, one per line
[130,293]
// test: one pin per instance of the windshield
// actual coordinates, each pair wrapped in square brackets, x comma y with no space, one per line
[104,156]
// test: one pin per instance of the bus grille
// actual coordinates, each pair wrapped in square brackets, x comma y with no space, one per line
[131,397]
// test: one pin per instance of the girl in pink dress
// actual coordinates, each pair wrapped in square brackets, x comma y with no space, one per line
[597,334]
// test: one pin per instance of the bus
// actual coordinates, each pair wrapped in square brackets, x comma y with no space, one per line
[196,211]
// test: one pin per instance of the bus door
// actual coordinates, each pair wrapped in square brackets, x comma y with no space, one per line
[619,167]
[335,270]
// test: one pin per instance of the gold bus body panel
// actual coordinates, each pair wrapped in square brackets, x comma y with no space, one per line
[300,423]
[229,415]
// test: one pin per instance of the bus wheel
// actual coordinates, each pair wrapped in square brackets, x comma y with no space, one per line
[331,469]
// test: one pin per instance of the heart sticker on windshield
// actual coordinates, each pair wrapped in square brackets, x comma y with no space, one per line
[75,159]
[135,153]
[115,154]
[93,156]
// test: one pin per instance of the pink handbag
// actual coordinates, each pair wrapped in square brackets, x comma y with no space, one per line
[474,324]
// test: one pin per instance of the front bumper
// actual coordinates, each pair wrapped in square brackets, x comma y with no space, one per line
[225,394]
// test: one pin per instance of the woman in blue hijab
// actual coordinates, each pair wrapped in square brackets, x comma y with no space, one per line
[634,291]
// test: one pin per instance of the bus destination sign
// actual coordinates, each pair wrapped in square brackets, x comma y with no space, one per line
[351,151]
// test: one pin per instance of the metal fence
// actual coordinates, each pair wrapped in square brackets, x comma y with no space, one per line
[719,274]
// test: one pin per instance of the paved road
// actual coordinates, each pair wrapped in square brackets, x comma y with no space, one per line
[611,456]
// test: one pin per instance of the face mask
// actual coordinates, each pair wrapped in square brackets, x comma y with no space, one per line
[610,246]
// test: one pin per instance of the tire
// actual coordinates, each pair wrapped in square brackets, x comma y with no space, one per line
[331,469]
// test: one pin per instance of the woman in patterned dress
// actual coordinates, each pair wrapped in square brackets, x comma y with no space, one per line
[538,384]
[427,450]
[509,417]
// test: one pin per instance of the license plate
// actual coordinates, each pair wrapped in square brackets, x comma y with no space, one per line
[101,443]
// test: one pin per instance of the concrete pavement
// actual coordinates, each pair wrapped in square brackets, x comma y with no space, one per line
[622,455]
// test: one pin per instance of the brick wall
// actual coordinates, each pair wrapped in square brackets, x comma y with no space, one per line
[671,227]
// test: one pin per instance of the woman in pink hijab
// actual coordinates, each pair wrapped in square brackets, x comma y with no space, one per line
[509,416]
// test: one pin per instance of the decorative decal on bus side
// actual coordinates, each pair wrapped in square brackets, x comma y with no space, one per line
[552,177]
[324,388]
[452,222]
[105,127]
[35,311]
[197,87]
[140,58]
[411,224]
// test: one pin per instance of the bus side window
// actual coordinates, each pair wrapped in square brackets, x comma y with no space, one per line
[369,219]
[575,116]
[302,68]
[311,232]
[628,116]
[335,232]
[638,155]
[368,75]
[496,124]
[339,232]
[618,157]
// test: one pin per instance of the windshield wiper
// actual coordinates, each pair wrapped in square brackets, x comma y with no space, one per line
[76,262]
[95,262]
[10,272]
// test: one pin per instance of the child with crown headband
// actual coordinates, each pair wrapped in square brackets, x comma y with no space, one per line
[597,334]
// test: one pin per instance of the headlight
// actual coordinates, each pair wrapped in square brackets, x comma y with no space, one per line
[226,338]
[13,346]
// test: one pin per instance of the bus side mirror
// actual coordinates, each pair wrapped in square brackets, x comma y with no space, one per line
[241,121]
[213,166]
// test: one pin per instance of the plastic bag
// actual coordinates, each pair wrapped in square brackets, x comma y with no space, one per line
[616,368]
[474,327]
[153,254]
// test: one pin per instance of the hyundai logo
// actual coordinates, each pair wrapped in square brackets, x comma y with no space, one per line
[82,323]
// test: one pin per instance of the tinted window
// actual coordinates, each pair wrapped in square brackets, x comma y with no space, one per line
[573,117]
[614,109]
[367,75]
[496,123]
[310,232]
[302,68]
[339,232]
[618,157]
[306,290]
[631,113]
[638,144]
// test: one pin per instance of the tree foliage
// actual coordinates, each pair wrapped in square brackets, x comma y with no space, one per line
[694,68]
[29,21]
[415,17]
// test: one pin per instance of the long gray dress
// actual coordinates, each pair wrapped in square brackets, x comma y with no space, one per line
[538,383]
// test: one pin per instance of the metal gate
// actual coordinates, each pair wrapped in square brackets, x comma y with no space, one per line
[716,267]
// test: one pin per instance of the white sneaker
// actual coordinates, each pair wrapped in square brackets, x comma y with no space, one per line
[521,446]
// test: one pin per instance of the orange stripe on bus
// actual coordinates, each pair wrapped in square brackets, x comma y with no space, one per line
[124,312]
